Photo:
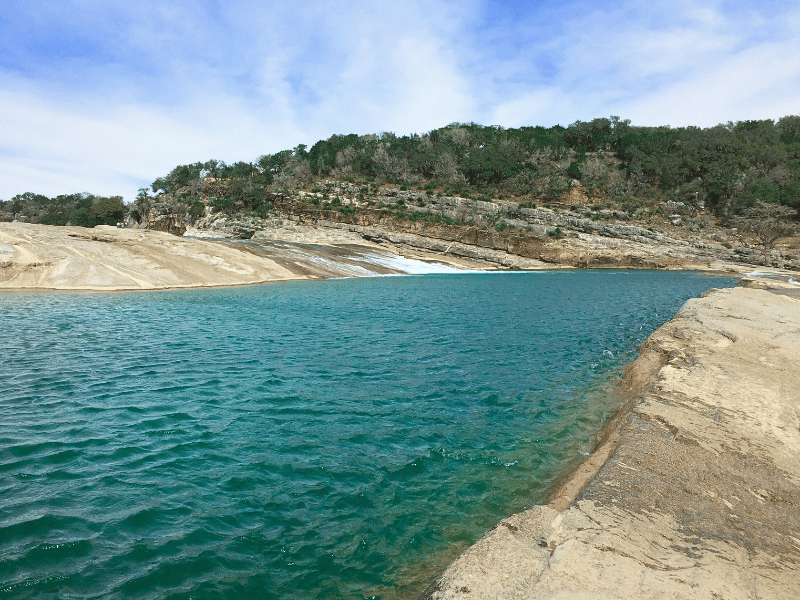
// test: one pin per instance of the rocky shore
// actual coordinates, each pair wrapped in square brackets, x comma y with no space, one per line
[39,257]
[111,259]
[694,491]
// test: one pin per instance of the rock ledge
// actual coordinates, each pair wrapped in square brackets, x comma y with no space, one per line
[700,497]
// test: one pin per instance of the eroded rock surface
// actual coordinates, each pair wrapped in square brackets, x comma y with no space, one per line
[700,497]
[109,258]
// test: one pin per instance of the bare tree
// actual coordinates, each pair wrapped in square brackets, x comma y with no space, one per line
[768,222]
[392,168]
[445,168]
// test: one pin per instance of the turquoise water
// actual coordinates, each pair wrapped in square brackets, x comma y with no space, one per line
[332,439]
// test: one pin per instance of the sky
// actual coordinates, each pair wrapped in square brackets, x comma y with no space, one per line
[106,96]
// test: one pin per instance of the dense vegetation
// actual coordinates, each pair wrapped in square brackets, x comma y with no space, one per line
[724,169]
[84,210]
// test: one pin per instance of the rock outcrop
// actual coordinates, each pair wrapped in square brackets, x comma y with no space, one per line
[114,258]
[111,258]
[672,235]
[158,217]
[700,497]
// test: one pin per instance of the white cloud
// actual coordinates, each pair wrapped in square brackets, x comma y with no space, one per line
[673,64]
[267,82]
[126,93]
[749,85]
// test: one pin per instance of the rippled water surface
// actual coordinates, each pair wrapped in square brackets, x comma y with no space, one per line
[332,439]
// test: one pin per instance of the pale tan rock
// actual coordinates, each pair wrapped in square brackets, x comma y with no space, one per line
[700,497]
[109,258]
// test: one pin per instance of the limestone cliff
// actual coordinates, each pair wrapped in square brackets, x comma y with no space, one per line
[572,235]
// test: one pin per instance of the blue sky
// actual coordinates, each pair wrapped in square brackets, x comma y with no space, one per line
[103,96]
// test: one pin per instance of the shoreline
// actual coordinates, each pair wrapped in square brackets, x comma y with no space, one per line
[629,388]
[110,259]
[44,257]
[694,488]
[569,545]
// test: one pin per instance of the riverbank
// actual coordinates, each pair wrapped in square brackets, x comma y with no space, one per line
[39,257]
[700,493]
[695,492]
[43,257]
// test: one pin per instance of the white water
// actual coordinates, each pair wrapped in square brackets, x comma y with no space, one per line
[411,266]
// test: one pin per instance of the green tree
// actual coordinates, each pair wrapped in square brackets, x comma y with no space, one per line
[108,211]
[491,164]
[178,177]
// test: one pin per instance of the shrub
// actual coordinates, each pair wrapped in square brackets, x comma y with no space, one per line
[443,219]
[221,202]
[197,209]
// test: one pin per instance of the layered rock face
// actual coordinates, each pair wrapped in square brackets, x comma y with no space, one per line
[700,497]
[582,235]
[158,217]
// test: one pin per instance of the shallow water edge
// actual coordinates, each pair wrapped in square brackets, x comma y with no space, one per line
[669,481]
[324,439]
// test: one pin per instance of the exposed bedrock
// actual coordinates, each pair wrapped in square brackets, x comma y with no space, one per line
[581,243]
[700,497]
[514,250]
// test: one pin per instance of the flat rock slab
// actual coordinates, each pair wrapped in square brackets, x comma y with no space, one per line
[109,258]
[700,497]
[37,257]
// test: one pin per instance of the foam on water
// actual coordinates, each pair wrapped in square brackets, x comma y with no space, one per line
[411,266]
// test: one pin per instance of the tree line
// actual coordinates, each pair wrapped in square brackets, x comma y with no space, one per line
[725,169]
[82,209]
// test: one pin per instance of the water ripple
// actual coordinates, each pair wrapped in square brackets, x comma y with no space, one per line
[303,440]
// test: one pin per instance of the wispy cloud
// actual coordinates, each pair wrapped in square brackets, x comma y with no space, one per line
[669,63]
[104,97]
